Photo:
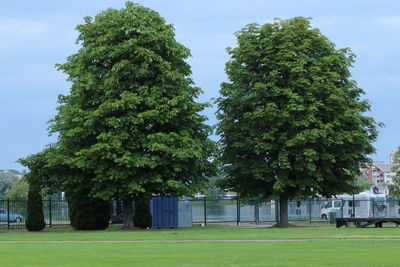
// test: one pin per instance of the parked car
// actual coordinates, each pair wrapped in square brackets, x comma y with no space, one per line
[13,217]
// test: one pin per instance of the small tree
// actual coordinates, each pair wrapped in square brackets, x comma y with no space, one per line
[51,170]
[360,184]
[35,216]
[142,217]
[87,213]
[37,174]
[19,190]
[6,180]
[18,193]
[394,188]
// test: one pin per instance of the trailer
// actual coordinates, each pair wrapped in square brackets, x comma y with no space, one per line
[365,222]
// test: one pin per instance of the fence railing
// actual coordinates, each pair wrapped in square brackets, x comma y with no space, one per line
[13,212]
[216,210]
[313,210]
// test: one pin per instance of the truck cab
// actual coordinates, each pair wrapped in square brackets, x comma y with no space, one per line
[332,205]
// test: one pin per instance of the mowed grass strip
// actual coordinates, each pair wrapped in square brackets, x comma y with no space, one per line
[312,253]
[206,233]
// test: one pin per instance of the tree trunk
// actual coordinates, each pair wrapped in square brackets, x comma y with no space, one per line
[283,211]
[128,213]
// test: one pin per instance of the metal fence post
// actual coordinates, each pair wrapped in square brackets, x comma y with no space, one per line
[276,210]
[309,208]
[373,208]
[257,212]
[237,211]
[342,206]
[8,213]
[205,210]
[50,217]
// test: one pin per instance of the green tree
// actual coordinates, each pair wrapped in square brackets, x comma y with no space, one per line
[35,177]
[50,169]
[292,121]
[19,190]
[18,195]
[88,213]
[142,217]
[130,124]
[216,186]
[394,188]
[35,216]
[6,179]
[361,184]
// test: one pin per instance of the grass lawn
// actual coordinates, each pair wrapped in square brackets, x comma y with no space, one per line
[210,232]
[209,253]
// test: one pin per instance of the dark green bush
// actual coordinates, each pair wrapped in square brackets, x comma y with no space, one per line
[35,217]
[142,218]
[86,213]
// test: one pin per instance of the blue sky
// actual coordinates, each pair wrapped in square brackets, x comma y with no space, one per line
[35,35]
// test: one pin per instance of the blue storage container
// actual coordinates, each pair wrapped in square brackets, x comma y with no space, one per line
[165,212]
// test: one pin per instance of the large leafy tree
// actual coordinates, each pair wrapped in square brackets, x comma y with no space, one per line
[292,121]
[130,126]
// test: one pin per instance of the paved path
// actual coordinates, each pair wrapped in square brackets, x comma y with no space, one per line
[205,241]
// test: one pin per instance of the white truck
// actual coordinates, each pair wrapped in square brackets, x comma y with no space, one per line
[362,205]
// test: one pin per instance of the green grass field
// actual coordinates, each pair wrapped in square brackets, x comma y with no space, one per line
[203,247]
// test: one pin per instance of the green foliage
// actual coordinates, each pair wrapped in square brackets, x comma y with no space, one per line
[394,188]
[41,172]
[19,190]
[6,179]
[216,185]
[292,121]
[37,174]
[35,217]
[360,184]
[18,193]
[142,217]
[130,123]
[87,213]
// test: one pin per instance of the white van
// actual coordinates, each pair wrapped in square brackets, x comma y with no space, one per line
[362,205]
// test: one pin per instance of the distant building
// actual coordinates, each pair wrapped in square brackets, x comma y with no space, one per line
[380,175]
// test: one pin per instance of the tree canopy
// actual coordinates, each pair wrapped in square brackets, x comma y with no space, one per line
[292,120]
[19,190]
[394,188]
[6,180]
[130,124]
